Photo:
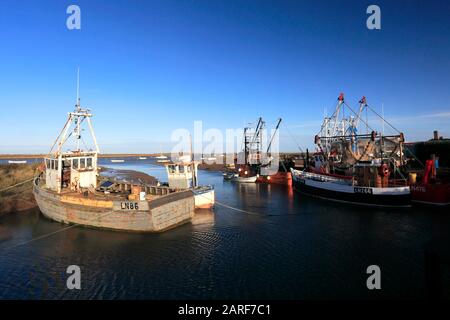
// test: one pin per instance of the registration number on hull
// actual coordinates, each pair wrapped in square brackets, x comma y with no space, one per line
[129,205]
[362,190]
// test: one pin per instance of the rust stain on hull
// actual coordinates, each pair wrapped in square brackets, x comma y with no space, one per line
[157,215]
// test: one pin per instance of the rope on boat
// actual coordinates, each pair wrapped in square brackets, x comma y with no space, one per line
[358,117]
[17,184]
[295,141]
[383,119]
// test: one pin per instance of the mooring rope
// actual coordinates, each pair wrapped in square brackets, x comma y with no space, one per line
[55,232]
[109,212]
[236,209]
[17,184]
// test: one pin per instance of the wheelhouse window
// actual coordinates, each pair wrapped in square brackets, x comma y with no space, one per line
[82,163]
[171,168]
[75,163]
[47,163]
[181,169]
[89,163]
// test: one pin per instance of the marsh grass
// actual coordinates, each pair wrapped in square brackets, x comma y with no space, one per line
[15,198]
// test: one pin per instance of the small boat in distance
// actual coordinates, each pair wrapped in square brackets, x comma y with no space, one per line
[244,179]
[142,158]
[17,161]
[163,160]
[117,160]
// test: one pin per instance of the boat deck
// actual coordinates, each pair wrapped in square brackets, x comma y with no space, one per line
[152,193]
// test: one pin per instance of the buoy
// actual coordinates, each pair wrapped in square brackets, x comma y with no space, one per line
[384,170]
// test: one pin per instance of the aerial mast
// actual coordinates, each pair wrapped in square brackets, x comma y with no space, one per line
[78,107]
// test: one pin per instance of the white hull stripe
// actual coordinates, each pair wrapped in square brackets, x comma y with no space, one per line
[338,187]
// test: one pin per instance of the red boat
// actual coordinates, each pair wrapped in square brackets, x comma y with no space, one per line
[435,194]
[430,189]
[283,178]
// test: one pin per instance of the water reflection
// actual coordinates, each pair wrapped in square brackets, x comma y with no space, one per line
[292,247]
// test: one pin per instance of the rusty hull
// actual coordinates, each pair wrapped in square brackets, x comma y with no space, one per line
[156,215]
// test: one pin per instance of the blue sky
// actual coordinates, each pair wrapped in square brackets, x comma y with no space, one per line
[150,67]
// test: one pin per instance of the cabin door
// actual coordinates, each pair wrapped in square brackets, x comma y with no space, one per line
[66,174]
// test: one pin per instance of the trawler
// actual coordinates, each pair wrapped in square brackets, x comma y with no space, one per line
[254,164]
[355,168]
[67,189]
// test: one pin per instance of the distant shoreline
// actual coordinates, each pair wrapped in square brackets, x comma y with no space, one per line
[105,155]
[109,155]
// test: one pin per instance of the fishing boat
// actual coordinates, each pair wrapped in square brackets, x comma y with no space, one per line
[247,162]
[257,165]
[245,174]
[117,160]
[229,175]
[142,158]
[282,174]
[355,168]
[67,189]
[435,193]
[346,189]
[280,177]
[17,161]
[427,186]
[183,175]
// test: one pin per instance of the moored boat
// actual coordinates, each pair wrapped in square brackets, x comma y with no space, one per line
[437,194]
[17,161]
[427,187]
[254,164]
[355,168]
[345,190]
[183,175]
[283,178]
[243,179]
[66,190]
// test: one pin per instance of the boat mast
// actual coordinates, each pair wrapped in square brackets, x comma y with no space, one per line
[362,105]
[78,110]
[245,145]
[192,164]
[76,117]
[273,136]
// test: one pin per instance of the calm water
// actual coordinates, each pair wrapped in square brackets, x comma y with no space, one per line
[286,246]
